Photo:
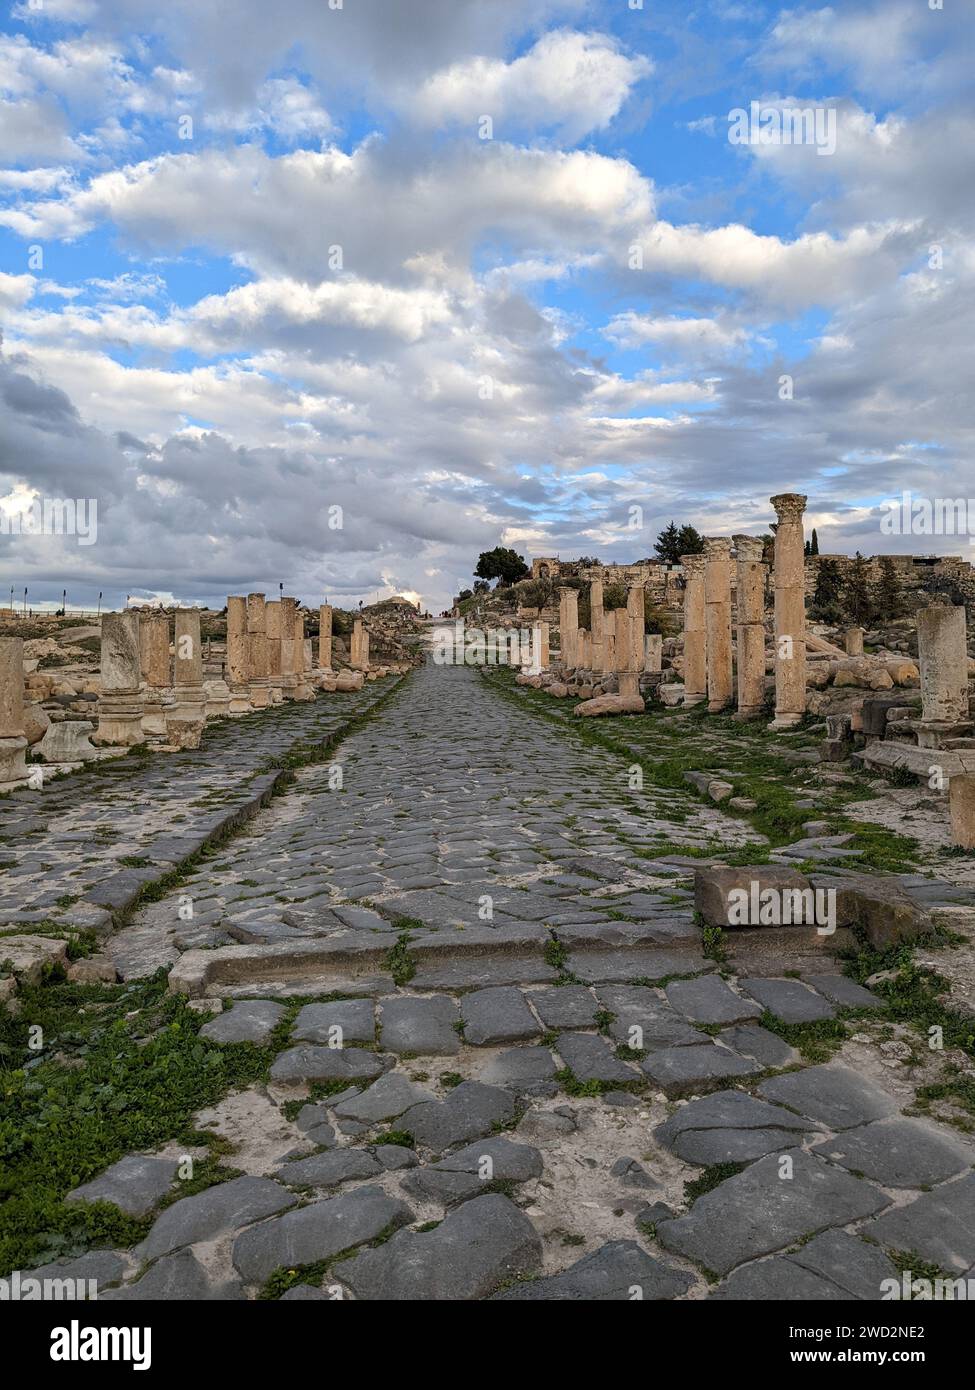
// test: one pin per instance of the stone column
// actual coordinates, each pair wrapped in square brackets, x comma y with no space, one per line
[240,694]
[325,637]
[257,662]
[569,627]
[185,720]
[272,623]
[653,652]
[750,590]
[961,801]
[610,644]
[695,641]
[119,704]
[790,611]
[287,617]
[13,739]
[631,663]
[539,648]
[303,691]
[854,641]
[154,650]
[597,623]
[943,652]
[717,620]
[356,649]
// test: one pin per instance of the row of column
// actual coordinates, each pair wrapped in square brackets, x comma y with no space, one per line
[708,665]
[615,641]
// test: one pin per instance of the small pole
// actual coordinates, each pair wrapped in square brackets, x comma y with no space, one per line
[25,603]
[99,603]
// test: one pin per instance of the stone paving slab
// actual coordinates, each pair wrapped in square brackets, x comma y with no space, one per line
[830,1093]
[939,1226]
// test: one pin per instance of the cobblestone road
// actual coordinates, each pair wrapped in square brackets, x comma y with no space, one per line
[535,1085]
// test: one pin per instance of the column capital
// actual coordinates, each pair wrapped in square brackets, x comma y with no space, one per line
[789,506]
[693,564]
[716,547]
[749,548]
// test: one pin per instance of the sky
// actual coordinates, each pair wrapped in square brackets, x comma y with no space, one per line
[339,293]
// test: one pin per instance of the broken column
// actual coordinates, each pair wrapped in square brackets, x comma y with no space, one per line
[632,654]
[303,691]
[961,801]
[186,717]
[695,640]
[357,651]
[568,627]
[653,653]
[236,665]
[539,647]
[325,637]
[854,641]
[287,616]
[257,662]
[272,624]
[597,623]
[13,740]
[154,652]
[943,652]
[790,611]
[717,618]
[750,589]
[119,703]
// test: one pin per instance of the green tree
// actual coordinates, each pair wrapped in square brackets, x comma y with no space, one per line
[827,596]
[857,601]
[814,543]
[690,541]
[506,566]
[668,544]
[889,598]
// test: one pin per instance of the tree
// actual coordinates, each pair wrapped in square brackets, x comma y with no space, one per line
[827,595]
[857,599]
[481,586]
[889,595]
[690,540]
[504,565]
[668,544]
[814,543]
[675,541]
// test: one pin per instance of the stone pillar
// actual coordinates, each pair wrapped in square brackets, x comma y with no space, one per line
[961,801]
[790,611]
[717,621]
[185,720]
[13,739]
[356,651]
[272,624]
[750,590]
[237,670]
[119,704]
[257,663]
[539,648]
[610,645]
[695,641]
[653,652]
[154,651]
[287,617]
[631,657]
[569,627]
[943,651]
[854,641]
[303,691]
[325,637]
[597,623]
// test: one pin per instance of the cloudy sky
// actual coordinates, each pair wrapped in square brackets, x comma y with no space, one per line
[472,272]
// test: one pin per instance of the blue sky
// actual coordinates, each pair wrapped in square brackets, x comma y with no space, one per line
[475,271]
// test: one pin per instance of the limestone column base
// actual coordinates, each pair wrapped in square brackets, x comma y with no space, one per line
[288,686]
[276,695]
[786,721]
[961,802]
[746,712]
[13,767]
[119,721]
[303,692]
[68,742]
[240,700]
[154,718]
[260,694]
[186,717]
[217,699]
[629,684]
[694,697]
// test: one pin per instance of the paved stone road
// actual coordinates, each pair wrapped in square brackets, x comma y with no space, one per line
[509,1104]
